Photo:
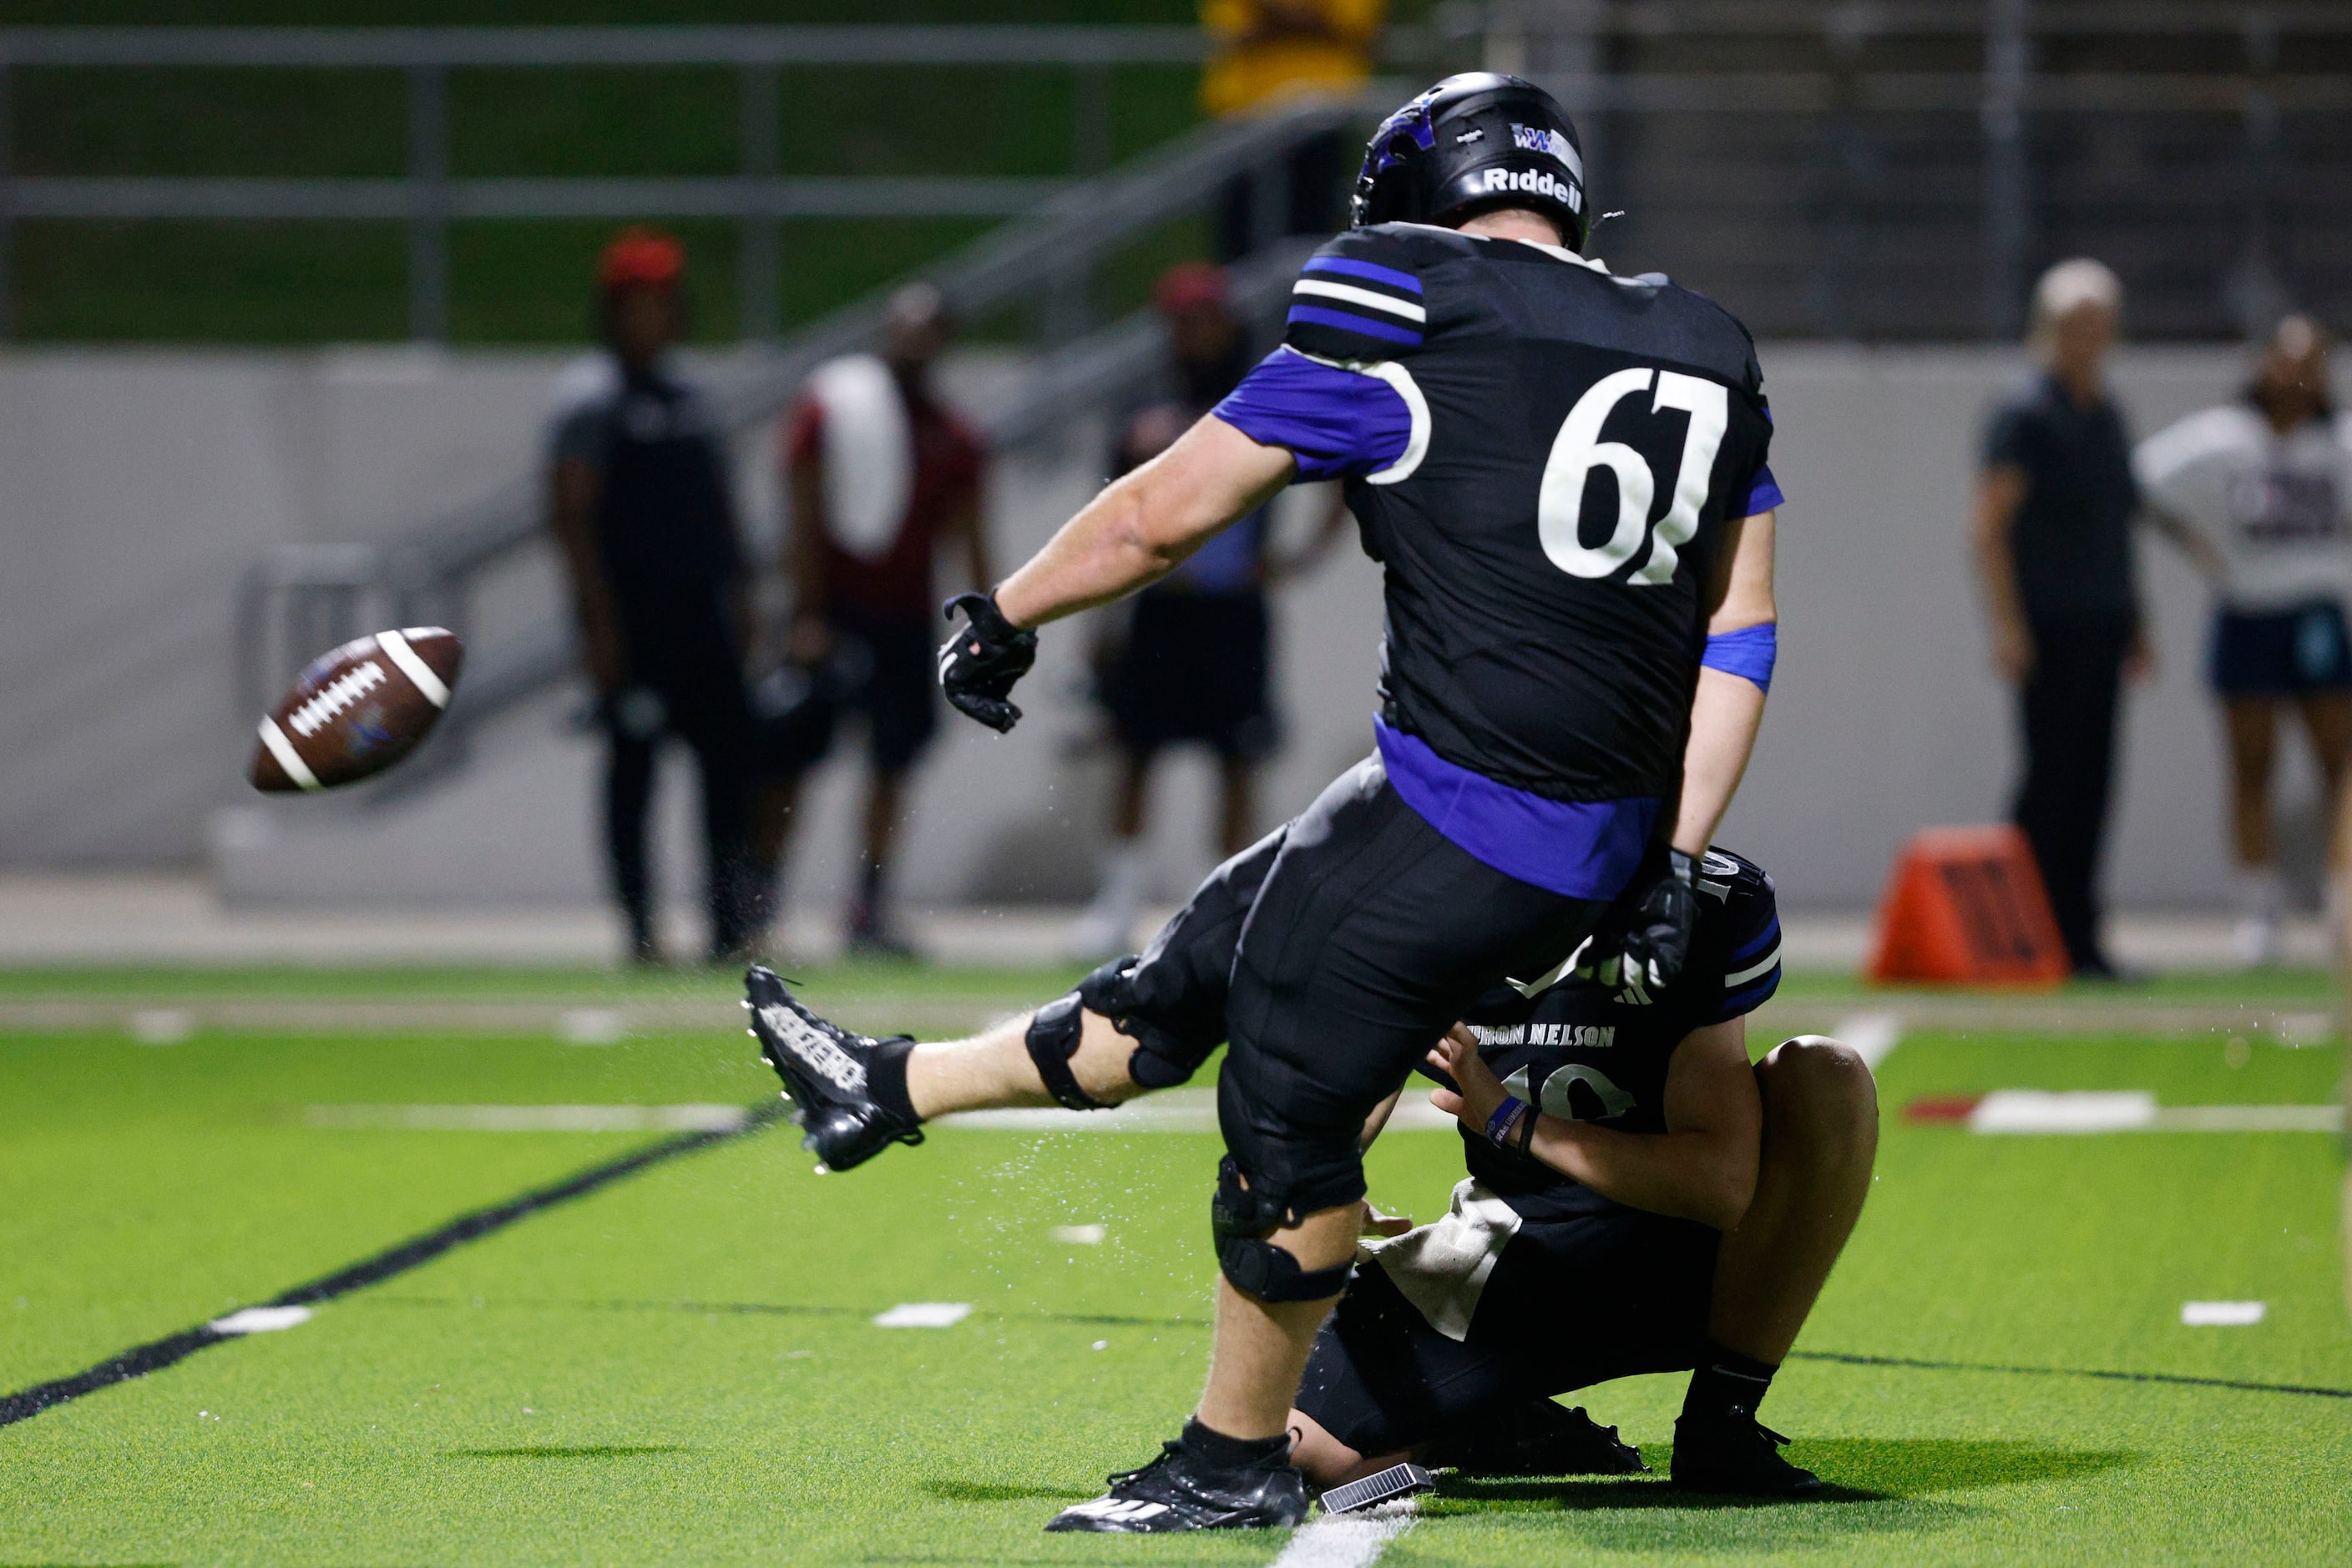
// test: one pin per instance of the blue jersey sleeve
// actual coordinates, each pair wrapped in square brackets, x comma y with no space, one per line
[1764,494]
[1357,300]
[1338,423]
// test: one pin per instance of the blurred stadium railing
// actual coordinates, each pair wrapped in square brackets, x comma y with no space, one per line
[1898,172]
[1833,168]
[1844,170]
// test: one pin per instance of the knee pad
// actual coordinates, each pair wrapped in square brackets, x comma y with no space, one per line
[1241,1218]
[1170,1046]
[1052,1040]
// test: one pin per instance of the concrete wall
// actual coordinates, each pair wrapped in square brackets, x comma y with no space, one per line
[135,487]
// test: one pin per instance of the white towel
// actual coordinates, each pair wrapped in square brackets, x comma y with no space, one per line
[869,459]
[1441,1269]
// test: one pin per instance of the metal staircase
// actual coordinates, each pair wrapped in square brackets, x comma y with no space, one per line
[302,599]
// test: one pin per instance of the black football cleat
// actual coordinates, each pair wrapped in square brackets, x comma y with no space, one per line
[1175,1491]
[1536,1437]
[1737,1454]
[824,1069]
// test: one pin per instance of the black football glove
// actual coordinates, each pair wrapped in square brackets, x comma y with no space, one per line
[979,664]
[1646,944]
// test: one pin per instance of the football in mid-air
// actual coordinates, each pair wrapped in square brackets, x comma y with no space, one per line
[355,712]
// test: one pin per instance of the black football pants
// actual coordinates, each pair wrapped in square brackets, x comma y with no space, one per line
[1370,936]
[710,716]
[2067,710]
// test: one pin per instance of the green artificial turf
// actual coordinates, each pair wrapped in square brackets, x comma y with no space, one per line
[682,1367]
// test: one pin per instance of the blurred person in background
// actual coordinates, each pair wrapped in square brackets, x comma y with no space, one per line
[2255,492]
[2054,555]
[1262,54]
[1188,658]
[639,503]
[880,476]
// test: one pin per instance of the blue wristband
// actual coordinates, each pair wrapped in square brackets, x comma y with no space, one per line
[1498,1126]
[1747,653]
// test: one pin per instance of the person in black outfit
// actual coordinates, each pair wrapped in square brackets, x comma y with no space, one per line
[639,503]
[2053,547]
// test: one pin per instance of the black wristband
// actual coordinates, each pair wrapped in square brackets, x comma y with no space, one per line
[1527,1133]
[987,621]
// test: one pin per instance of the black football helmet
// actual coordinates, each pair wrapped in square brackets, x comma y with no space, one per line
[1471,143]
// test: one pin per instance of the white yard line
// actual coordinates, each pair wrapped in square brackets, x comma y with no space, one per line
[1347,1539]
[1172,1110]
[2076,1112]
[1874,1036]
[530,1118]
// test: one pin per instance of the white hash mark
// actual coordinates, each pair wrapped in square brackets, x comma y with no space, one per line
[260,1321]
[924,1315]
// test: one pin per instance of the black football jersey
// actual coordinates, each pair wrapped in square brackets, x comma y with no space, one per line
[1579,440]
[1592,1053]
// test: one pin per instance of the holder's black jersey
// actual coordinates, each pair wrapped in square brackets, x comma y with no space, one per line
[1572,444]
[1580,1050]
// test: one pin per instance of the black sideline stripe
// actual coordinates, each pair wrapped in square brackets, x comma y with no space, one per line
[2182,1379]
[172,1348]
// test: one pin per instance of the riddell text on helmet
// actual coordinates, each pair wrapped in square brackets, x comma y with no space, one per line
[1535,183]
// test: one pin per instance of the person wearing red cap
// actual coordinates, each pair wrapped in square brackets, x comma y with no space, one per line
[640,505]
[1187,660]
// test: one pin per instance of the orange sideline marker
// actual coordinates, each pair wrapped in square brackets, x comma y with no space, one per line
[1965,906]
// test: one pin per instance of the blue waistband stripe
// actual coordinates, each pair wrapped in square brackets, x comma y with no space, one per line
[1580,848]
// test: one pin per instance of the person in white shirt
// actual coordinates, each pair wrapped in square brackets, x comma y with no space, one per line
[2256,491]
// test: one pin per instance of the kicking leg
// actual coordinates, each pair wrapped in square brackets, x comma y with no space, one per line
[999,1068]
[1132,1024]
[1821,1137]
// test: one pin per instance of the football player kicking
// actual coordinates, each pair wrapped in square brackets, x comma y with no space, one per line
[1640,1200]
[1560,470]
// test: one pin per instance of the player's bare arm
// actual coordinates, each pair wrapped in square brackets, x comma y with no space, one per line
[1146,523]
[1703,1167]
[1139,529]
[1727,708]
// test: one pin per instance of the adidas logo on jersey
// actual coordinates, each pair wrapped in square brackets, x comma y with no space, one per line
[1534,183]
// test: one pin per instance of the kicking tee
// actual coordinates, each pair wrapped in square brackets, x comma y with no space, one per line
[1543,456]
[1592,1053]
[2273,506]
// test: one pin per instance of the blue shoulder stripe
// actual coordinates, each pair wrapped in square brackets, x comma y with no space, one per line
[1345,322]
[1371,270]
